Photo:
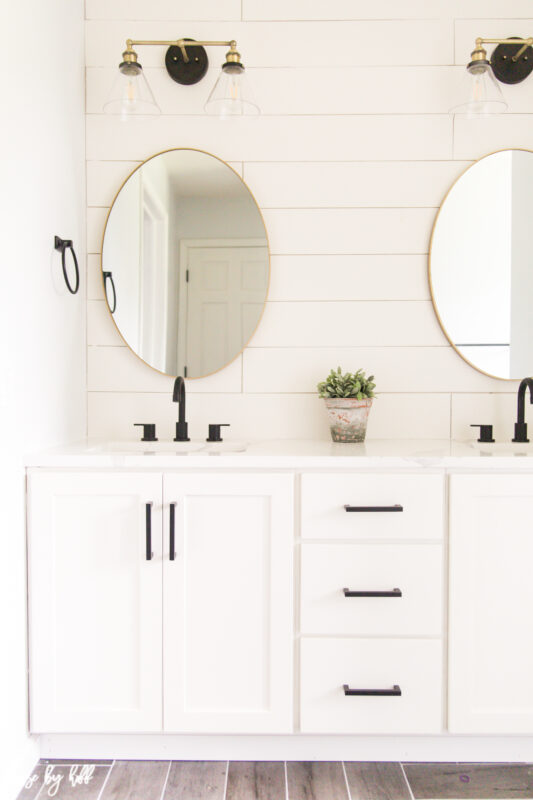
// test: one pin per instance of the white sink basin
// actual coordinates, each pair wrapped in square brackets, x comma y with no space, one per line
[225,447]
[143,448]
[170,448]
[503,448]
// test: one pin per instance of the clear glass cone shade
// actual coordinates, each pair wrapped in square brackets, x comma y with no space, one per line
[131,97]
[479,92]
[231,95]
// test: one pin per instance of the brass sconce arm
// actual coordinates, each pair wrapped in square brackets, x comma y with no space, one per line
[181,43]
[480,41]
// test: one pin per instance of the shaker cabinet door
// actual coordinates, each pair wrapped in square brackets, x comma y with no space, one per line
[491,604]
[95,601]
[228,603]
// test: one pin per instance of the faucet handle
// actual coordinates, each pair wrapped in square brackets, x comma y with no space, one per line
[485,432]
[148,431]
[214,432]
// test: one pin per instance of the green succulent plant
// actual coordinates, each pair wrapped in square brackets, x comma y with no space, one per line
[348,385]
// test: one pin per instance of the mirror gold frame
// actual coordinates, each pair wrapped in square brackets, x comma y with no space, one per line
[141,164]
[433,299]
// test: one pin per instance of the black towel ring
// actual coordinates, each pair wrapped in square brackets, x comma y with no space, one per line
[109,276]
[61,245]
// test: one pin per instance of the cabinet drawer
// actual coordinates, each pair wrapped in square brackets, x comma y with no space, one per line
[371,664]
[385,506]
[414,569]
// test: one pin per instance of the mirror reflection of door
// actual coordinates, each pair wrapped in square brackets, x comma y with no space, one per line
[185,212]
[225,283]
[153,278]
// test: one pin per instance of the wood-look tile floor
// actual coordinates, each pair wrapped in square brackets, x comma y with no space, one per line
[275,780]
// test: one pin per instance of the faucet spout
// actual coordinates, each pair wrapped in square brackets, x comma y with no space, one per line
[178,396]
[520,428]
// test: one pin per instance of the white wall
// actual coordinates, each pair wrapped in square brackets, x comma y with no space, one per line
[349,162]
[42,328]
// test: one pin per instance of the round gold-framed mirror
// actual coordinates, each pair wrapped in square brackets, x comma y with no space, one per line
[480,277]
[185,262]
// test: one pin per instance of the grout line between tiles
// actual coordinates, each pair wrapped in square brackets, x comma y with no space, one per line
[166,781]
[406,781]
[226,781]
[100,795]
[346,781]
[286,781]
[39,789]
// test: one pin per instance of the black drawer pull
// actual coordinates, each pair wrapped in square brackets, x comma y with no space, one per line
[172,545]
[392,593]
[149,554]
[394,692]
[373,508]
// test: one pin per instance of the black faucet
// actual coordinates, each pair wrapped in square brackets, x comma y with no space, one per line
[178,396]
[520,428]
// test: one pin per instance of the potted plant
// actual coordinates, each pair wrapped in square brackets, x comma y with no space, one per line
[348,401]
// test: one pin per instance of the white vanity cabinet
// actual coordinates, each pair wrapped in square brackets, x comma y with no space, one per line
[95,601]
[311,594]
[228,633]
[125,639]
[491,604]
[372,603]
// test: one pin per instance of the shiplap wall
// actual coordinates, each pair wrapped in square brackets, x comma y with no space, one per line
[349,163]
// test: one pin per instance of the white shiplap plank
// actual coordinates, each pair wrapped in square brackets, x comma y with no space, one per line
[163,9]
[491,409]
[101,329]
[349,277]
[104,178]
[385,9]
[309,90]
[349,230]
[96,218]
[399,369]
[333,277]
[360,184]
[95,289]
[324,231]
[117,369]
[370,323]
[475,138]
[324,324]
[270,416]
[297,44]
[327,138]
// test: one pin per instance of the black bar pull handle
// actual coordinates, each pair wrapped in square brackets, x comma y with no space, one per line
[172,537]
[394,692]
[149,554]
[373,508]
[391,593]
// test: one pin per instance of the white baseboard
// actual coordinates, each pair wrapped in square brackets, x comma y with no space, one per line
[296,747]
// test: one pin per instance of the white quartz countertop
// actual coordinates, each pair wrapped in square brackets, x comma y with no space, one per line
[289,454]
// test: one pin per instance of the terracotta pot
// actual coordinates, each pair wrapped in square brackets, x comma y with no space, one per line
[347,418]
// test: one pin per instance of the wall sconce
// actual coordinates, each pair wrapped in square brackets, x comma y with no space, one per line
[186,62]
[511,62]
